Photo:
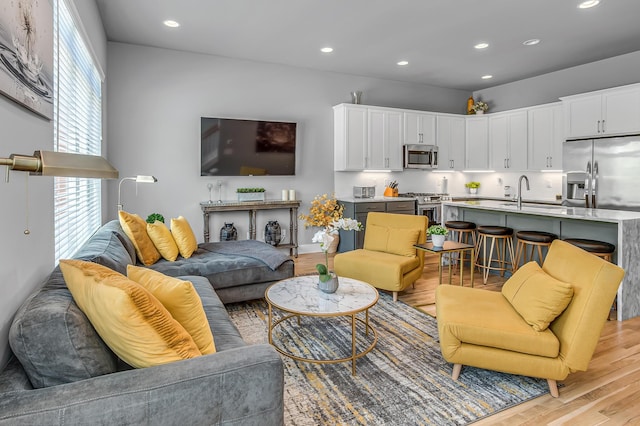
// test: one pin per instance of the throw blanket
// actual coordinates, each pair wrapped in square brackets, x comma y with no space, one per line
[258,250]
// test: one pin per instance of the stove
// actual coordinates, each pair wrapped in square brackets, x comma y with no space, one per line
[428,204]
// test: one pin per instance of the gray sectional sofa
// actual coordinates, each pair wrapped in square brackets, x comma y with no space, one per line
[63,373]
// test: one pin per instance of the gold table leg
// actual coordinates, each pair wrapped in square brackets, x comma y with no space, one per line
[440,267]
[353,344]
[270,324]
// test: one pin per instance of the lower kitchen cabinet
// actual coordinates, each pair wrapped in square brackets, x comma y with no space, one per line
[351,240]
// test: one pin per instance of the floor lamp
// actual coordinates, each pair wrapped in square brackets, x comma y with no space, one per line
[137,179]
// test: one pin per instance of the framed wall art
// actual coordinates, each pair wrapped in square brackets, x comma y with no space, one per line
[26,54]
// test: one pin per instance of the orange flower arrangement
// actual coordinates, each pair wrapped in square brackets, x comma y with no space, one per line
[324,210]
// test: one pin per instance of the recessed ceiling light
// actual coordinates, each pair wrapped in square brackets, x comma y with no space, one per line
[589,3]
[326,49]
[531,42]
[487,77]
[403,63]
[481,45]
[171,23]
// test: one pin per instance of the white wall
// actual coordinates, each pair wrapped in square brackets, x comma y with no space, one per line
[612,72]
[156,99]
[26,260]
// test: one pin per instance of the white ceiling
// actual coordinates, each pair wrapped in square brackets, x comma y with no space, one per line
[370,36]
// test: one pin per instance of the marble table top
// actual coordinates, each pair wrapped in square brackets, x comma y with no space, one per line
[301,295]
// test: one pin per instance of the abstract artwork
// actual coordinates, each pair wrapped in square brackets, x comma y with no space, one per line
[26,53]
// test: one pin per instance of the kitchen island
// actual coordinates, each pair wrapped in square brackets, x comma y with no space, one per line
[621,228]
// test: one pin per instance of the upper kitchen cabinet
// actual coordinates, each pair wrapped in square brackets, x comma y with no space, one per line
[508,140]
[384,150]
[608,112]
[419,127]
[367,138]
[477,144]
[450,138]
[545,137]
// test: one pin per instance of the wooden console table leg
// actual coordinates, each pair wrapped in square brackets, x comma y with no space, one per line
[206,226]
[252,224]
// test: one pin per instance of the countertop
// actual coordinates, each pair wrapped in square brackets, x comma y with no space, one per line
[378,199]
[599,215]
[467,197]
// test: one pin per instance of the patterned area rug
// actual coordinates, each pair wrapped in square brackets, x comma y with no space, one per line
[403,380]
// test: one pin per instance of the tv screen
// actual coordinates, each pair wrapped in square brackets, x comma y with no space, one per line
[231,147]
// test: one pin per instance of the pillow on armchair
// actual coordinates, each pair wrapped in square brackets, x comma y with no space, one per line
[537,296]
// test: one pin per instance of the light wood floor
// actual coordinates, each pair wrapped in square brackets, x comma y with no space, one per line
[607,393]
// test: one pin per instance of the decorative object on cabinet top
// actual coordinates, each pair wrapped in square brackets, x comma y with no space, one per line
[480,107]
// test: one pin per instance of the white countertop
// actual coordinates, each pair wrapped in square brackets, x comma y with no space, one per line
[379,199]
[599,215]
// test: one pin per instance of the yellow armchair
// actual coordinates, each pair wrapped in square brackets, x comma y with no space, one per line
[507,331]
[388,260]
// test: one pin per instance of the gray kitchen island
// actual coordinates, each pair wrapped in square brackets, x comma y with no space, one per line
[621,228]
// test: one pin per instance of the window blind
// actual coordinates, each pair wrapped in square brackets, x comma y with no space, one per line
[78,129]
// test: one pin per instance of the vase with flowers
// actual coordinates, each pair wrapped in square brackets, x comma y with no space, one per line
[479,107]
[328,280]
[324,210]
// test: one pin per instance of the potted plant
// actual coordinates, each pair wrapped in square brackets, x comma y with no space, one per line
[473,187]
[155,216]
[250,194]
[479,107]
[438,234]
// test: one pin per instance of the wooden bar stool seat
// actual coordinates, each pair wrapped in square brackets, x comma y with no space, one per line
[462,232]
[500,239]
[535,240]
[599,248]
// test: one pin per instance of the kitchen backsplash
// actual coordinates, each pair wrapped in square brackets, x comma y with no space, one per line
[544,186]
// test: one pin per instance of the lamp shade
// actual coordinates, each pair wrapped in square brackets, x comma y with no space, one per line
[50,163]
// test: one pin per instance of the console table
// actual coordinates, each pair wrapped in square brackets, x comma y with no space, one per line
[252,207]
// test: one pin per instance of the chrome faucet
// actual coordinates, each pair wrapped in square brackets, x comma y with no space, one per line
[526,179]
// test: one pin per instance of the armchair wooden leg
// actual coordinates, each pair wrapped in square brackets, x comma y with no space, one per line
[553,388]
[456,371]
[395,296]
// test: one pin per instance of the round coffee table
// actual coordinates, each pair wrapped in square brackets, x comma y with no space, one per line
[300,296]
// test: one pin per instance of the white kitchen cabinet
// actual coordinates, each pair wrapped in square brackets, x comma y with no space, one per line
[477,143]
[367,138]
[508,141]
[419,127]
[545,137]
[450,138]
[384,148]
[608,112]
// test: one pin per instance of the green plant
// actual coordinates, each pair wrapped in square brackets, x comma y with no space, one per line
[155,216]
[480,106]
[472,185]
[437,230]
[250,190]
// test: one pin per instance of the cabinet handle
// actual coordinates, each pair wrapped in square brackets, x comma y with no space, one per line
[603,126]
[598,126]
[453,164]
[550,161]
[419,137]
[386,162]
[504,163]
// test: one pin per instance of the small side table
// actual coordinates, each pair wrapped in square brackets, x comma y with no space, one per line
[450,247]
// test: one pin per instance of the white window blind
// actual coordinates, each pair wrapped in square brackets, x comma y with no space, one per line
[78,129]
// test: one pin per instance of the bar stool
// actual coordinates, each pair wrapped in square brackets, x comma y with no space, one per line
[494,235]
[599,248]
[466,233]
[533,239]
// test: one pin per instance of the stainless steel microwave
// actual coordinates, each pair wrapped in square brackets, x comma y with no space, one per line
[420,156]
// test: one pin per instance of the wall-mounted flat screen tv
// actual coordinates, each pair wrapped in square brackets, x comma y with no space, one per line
[231,147]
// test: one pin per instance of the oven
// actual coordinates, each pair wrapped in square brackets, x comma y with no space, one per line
[428,204]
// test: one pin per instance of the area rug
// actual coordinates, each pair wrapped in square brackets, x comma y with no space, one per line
[403,381]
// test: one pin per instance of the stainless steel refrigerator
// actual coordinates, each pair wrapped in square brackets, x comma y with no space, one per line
[602,173]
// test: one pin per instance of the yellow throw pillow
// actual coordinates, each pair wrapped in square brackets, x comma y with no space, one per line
[132,322]
[401,241]
[376,237]
[163,240]
[136,229]
[181,300]
[183,234]
[537,296]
